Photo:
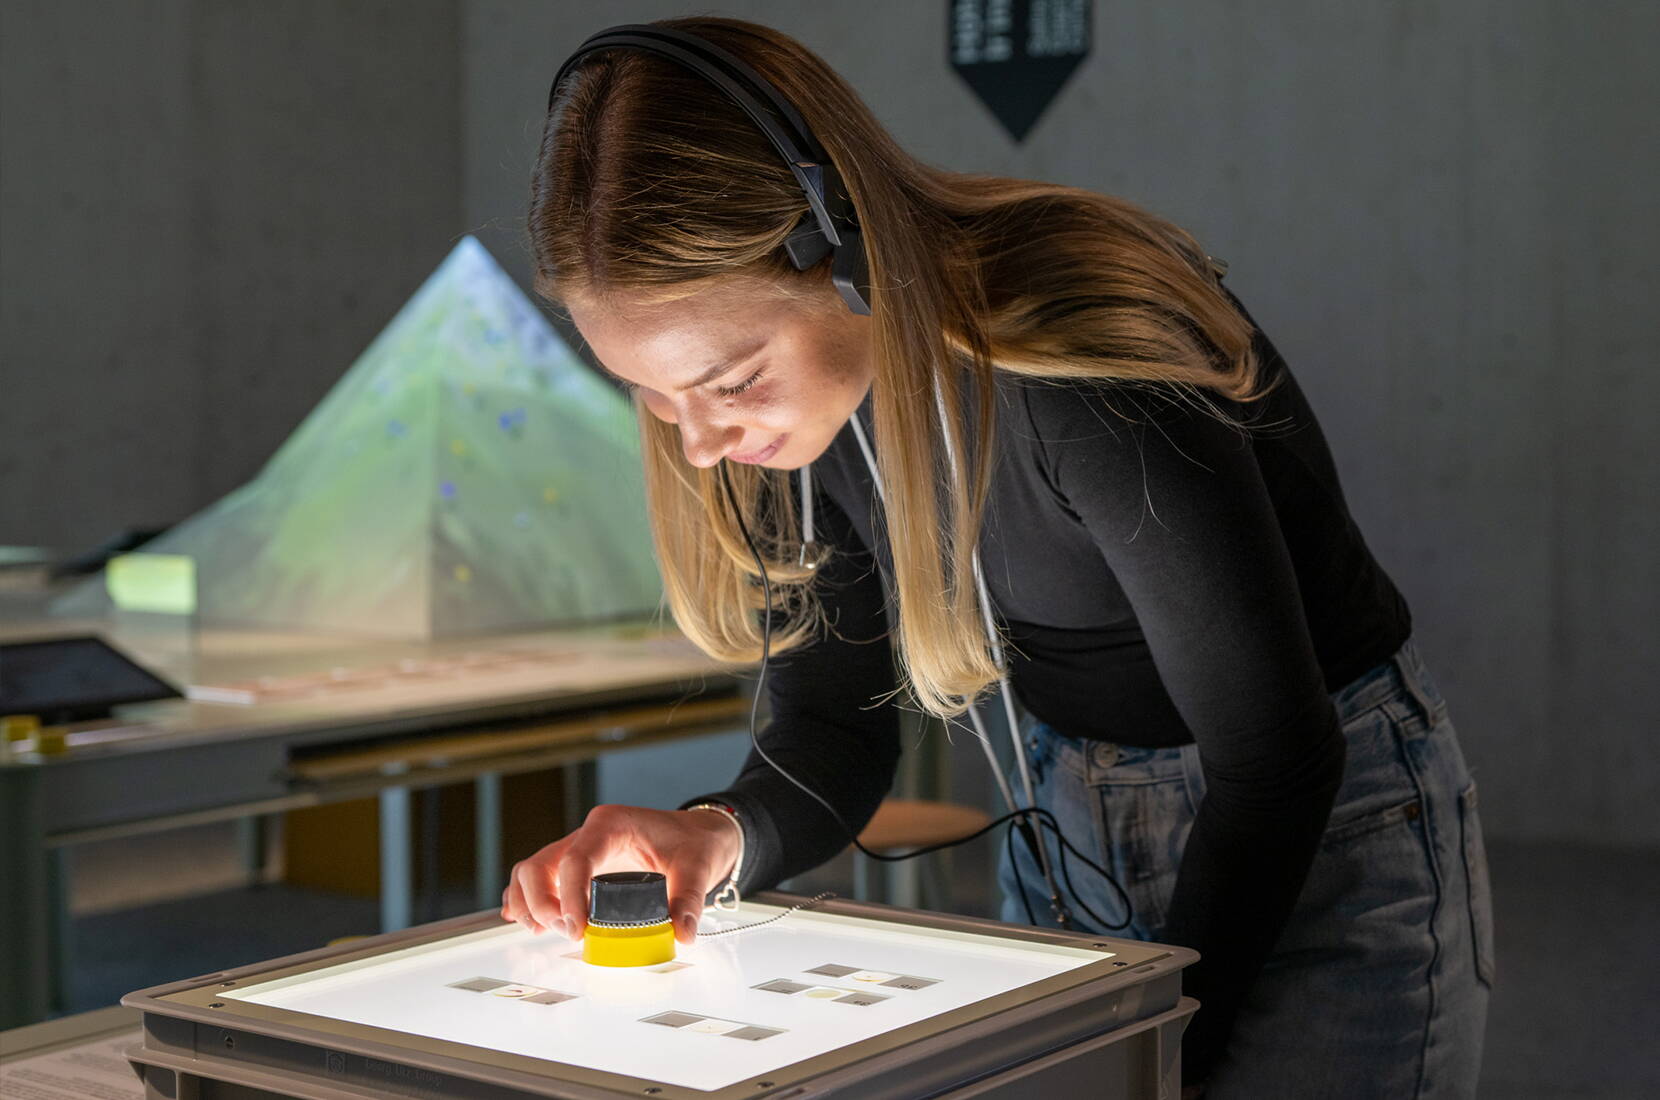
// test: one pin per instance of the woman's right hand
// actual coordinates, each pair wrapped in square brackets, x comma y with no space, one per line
[693,849]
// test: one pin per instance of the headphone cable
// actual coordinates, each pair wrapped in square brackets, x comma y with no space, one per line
[1018,818]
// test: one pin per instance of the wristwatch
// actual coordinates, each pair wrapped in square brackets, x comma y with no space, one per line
[725,895]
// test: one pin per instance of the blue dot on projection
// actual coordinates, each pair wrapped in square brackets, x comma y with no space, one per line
[512,419]
[447,490]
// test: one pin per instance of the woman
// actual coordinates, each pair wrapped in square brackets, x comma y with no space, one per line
[1224,704]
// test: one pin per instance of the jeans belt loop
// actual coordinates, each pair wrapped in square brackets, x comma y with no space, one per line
[1409,680]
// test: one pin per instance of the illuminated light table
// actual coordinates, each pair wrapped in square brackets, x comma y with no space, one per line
[845,1000]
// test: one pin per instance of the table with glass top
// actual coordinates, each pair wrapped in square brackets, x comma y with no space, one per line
[843,999]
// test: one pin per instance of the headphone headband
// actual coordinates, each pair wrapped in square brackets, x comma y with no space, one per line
[830,225]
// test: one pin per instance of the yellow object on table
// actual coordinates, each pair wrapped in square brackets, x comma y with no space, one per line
[628,920]
[19,727]
[645,945]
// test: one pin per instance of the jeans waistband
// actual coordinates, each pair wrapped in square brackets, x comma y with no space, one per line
[1404,671]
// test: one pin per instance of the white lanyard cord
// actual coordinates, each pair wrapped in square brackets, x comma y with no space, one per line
[991,637]
[806,510]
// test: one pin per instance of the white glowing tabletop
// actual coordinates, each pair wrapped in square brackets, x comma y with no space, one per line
[736,1009]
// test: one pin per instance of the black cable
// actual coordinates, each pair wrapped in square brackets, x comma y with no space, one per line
[1015,818]
[1066,877]
[761,680]
[1020,882]
[1047,820]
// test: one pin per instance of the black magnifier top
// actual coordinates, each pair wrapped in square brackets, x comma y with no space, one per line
[628,897]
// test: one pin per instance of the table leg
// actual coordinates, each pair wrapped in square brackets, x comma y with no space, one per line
[60,869]
[25,947]
[902,886]
[396,901]
[487,869]
[431,829]
[868,879]
[936,882]
[250,847]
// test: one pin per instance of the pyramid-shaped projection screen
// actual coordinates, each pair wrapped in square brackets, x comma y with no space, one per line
[469,474]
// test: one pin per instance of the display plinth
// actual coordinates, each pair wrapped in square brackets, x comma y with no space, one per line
[844,1000]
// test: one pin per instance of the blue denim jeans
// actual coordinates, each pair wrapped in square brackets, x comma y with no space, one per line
[1378,986]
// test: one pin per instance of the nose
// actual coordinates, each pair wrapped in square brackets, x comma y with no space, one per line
[706,444]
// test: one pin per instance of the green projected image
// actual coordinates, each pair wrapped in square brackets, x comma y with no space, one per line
[468,474]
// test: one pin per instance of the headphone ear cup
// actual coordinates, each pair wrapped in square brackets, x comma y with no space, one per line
[850,271]
[806,243]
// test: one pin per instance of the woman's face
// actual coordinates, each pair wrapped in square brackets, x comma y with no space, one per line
[746,373]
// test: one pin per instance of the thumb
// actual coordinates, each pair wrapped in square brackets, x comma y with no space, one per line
[685,905]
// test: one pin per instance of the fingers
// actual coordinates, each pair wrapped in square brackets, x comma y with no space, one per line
[686,885]
[513,902]
[570,883]
[530,897]
[531,889]
[550,890]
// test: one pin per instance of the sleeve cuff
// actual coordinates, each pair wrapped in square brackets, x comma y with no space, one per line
[763,849]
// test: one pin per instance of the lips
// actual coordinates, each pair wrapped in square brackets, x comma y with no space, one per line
[762,455]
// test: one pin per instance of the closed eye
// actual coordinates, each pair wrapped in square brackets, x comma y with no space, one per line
[733,391]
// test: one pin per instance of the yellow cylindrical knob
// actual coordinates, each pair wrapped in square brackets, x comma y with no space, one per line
[52,739]
[19,727]
[628,920]
[639,945]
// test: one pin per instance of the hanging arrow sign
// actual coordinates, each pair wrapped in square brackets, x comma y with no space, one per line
[1016,54]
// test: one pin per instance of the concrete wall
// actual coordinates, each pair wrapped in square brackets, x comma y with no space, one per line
[1443,214]
[209,208]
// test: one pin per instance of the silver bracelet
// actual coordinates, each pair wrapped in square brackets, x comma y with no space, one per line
[726,895]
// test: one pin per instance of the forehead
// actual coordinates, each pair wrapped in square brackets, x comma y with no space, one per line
[641,315]
[669,337]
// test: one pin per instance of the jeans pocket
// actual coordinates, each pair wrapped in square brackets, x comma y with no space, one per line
[1341,830]
[1144,826]
[1476,880]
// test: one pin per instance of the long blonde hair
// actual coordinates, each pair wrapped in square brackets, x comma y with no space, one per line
[649,182]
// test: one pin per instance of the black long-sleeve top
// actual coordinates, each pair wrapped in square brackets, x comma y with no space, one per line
[1164,578]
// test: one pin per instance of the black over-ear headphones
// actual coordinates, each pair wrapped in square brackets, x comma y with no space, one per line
[830,224]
